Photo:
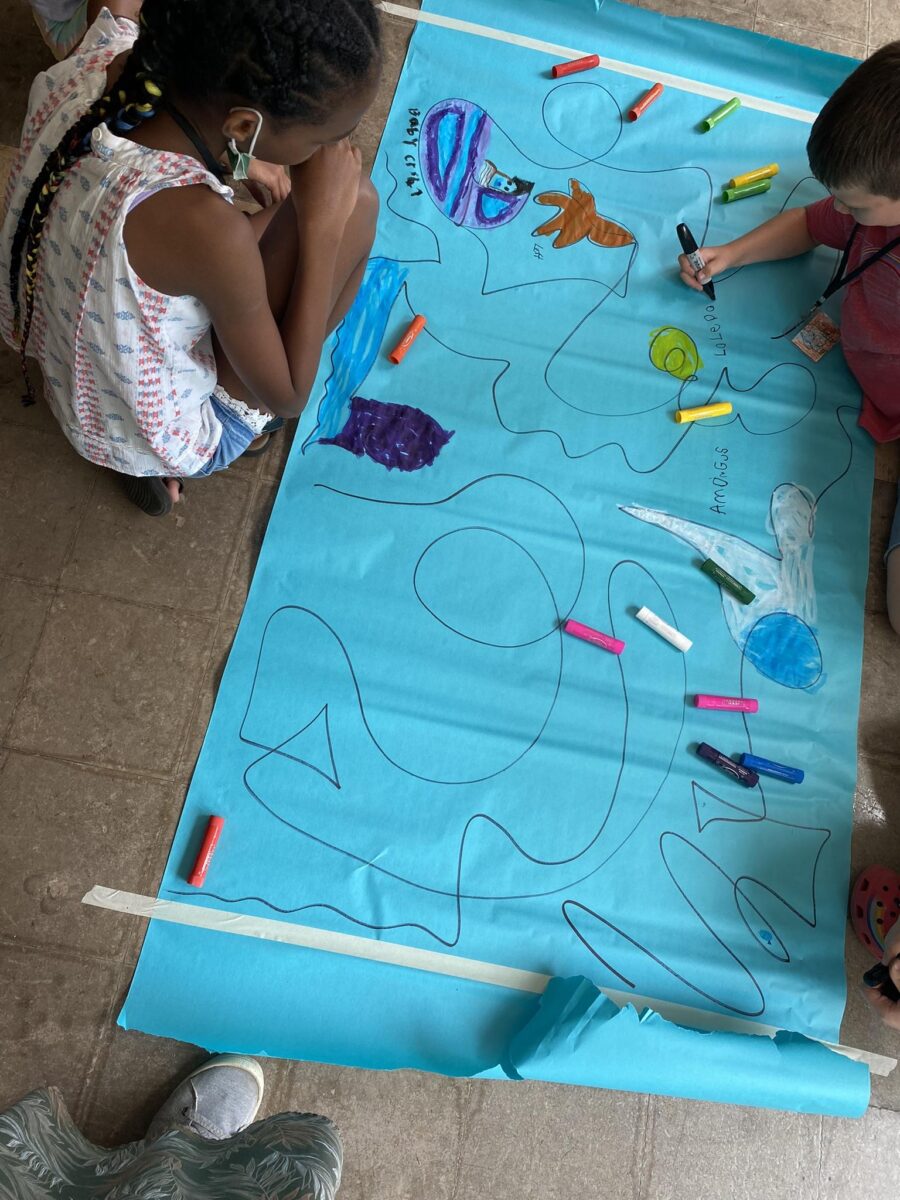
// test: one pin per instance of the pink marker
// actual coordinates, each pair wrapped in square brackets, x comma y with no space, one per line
[731,703]
[613,645]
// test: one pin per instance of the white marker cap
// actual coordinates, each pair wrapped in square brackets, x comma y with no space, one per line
[658,625]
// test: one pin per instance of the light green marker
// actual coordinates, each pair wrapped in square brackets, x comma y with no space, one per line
[745,189]
[720,114]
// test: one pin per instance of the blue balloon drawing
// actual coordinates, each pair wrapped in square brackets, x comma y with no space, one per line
[463,182]
[777,631]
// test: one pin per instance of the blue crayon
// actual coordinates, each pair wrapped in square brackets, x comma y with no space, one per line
[776,770]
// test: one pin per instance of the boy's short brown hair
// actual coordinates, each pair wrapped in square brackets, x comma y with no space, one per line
[855,141]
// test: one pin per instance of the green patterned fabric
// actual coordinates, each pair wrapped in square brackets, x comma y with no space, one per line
[291,1156]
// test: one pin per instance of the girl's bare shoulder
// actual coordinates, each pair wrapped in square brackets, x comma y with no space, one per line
[179,232]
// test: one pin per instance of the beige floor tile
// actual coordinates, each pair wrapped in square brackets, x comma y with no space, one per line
[739,13]
[112,684]
[23,608]
[836,18]
[24,55]
[249,548]
[887,461]
[135,1075]
[35,416]
[819,39]
[884,22]
[205,699]
[550,1141]
[117,821]
[879,716]
[884,502]
[181,561]
[44,487]
[860,1159]
[53,1009]
[719,1152]
[382,1115]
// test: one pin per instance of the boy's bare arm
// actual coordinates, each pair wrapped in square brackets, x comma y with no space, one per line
[783,236]
[118,8]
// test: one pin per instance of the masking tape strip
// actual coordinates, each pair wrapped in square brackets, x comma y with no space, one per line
[567,53]
[395,954]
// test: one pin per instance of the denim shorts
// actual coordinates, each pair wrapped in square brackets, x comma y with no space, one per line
[241,425]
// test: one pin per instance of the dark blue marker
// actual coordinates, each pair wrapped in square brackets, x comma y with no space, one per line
[776,770]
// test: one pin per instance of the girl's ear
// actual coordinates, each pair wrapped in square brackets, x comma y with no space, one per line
[241,124]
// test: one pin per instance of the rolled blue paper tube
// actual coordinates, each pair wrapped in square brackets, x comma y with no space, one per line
[777,770]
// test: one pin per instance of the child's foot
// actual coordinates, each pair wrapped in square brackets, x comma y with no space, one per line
[216,1101]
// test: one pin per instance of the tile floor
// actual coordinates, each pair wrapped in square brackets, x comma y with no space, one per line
[98,735]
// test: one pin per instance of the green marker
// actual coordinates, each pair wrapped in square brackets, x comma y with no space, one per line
[723,579]
[745,189]
[720,114]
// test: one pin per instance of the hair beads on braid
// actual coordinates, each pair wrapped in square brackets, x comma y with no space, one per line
[293,59]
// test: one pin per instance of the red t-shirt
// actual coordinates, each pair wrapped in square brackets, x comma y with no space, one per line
[870,315]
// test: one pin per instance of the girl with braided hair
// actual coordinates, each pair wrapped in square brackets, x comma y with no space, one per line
[173,331]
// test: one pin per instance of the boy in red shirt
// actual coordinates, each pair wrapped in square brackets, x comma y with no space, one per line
[854,150]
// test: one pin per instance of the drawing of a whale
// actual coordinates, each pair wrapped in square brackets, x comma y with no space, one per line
[777,631]
[462,181]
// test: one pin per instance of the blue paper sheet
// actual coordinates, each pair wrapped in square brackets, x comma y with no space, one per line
[405,744]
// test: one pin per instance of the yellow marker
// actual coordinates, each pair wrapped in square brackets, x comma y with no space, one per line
[700,414]
[754,176]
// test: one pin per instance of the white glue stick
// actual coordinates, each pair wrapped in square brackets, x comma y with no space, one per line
[658,625]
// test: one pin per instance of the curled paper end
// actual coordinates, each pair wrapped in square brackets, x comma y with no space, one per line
[580,1036]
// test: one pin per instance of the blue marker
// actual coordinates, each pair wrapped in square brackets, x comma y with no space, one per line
[776,770]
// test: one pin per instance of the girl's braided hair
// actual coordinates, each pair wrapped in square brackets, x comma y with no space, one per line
[293,59]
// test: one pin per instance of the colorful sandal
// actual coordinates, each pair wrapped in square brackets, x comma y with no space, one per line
[874,907]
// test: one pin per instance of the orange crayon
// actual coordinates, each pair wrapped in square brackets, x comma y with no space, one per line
[645,101]
[398,353]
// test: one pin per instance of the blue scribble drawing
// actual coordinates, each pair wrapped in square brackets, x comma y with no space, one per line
[777,631]
[462,181]
[356,345]
[394,435]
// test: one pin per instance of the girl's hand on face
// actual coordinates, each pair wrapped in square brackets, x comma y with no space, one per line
[326,188]
[272,177]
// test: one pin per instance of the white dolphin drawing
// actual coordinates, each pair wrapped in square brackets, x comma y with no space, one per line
[776,632]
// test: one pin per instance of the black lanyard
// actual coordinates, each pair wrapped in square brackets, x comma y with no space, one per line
[839,279]
[215,168]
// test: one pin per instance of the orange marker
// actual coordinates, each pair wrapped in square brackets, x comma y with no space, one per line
[645,101]
[197,877]
[577,64]
[398,353]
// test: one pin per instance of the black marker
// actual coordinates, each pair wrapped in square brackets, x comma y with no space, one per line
[694,257]
[738,772]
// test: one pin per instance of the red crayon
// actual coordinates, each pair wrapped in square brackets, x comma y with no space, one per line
[197,877]
[577,64]
[645,101]
[399,351]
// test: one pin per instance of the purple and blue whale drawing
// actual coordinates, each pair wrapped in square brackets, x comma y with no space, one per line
[462,181]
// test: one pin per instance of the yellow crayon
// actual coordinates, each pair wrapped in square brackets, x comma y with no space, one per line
[754,176]
[700,414]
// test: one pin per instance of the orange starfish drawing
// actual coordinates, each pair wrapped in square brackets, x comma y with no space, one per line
[578,218]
